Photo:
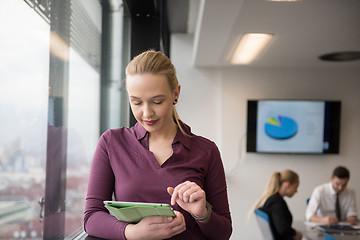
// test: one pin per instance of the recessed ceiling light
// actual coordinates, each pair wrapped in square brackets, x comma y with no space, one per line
[249,47]
[341,56]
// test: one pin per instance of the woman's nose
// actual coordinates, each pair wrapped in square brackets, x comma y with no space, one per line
[148,111]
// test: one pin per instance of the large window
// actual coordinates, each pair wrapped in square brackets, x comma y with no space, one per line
[50,103]
[24,79]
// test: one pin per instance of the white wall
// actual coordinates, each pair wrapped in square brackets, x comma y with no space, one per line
[213,102]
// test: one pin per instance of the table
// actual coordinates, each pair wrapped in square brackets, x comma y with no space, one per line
[310,232]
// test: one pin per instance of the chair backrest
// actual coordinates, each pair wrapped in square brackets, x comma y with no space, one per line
[263,221]
[328,236]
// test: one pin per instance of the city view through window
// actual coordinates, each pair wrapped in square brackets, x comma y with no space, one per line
[32,144]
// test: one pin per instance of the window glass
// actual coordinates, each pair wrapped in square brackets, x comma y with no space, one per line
[24,78]
[83,134]
[38,119]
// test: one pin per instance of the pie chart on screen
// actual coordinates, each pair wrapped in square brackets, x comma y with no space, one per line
[281,127]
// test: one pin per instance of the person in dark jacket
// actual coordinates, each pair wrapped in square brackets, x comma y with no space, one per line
[281,184]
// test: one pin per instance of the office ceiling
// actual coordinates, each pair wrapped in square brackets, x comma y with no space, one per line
[303,30]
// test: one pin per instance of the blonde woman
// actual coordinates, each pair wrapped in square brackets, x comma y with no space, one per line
[281,184]
[158,160]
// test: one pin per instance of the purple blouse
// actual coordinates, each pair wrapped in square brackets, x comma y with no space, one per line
[123,165]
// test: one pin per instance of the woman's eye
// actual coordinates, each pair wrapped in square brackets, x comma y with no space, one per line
[136,103]
[158,102]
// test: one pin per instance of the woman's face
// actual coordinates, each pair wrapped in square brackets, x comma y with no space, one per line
[292,189]
[151,100]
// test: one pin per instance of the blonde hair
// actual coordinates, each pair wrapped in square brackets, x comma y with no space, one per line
[273,186]
[157,63]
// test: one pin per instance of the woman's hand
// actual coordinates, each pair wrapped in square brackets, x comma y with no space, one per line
[298,236]
[190,197]
[156,227]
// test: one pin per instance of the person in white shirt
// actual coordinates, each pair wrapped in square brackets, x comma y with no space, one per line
[324,207]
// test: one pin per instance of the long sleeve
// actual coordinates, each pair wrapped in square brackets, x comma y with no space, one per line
[352,209]
[97,221]
[219,226]
[123,165]
[280,217]
[323,199]
[313,204]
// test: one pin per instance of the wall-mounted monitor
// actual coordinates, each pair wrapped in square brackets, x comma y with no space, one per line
[293,126]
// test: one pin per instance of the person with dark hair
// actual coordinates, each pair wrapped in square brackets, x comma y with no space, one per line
[333,202]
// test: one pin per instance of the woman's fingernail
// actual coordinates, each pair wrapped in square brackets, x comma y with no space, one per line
[170,219]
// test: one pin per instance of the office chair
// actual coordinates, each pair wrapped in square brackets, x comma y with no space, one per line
[328,236]
[263,221]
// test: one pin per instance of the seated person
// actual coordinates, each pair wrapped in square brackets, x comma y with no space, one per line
[333,202]
[281,184]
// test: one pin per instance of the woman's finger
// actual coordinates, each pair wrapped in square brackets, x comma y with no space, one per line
[198,195]
[175,195]
[183,191]
[157,219]
[190,194]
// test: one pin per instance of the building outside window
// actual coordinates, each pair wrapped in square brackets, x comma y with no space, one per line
[50,103]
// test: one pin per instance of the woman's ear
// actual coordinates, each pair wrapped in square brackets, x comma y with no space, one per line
[177,91]
[286,184]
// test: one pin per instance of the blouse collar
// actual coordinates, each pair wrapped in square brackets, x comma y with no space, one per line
[141,133]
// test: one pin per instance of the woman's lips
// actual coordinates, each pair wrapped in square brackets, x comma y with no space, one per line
[150,122]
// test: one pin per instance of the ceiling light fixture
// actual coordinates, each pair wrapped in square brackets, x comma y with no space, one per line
[249,47]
